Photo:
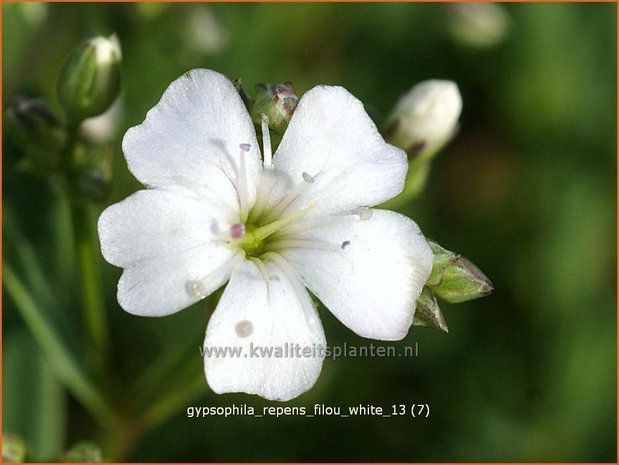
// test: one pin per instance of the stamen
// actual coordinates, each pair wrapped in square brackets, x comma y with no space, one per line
[265,231]
[281,244]
[266,142]
[345,244]
[242,182]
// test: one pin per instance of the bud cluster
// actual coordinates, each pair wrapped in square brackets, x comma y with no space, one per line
[68,149]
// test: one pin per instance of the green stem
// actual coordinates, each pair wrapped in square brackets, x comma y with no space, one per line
[90,277]
[173,401]
[58,355]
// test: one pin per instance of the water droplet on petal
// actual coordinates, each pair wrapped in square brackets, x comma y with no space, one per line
[195,289]
[308,178]
[345,244]
[237,230]
[364,213]
[245,147]
[244,328]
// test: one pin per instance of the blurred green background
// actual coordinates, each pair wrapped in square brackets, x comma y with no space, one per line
[527,190]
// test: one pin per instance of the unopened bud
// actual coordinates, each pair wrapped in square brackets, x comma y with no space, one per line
[33,128]
[277,102]
[13,449]
[90,177]
[455,278]
[428,312]
[425,118]
[83,452]
[477,25]
[90,80]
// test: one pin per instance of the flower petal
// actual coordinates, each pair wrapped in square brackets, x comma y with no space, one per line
[169,246]
[265,308]
[368,272]
[192,138]
[334,147]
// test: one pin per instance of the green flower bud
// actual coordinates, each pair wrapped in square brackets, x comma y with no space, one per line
[90,80]
[13,448]
[277,102]
[425,118]
[33,128]
[90,176]
[84,452]
[455,278]
[428,312]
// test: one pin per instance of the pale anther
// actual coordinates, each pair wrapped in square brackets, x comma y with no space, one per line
[364,213]
[308,178]
[245,147]
[244,328]
[195,289]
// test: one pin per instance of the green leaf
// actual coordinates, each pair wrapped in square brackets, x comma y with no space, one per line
[62,361]
[34,401]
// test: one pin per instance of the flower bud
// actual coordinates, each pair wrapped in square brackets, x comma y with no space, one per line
[428,312]
[425,118]
[13,449]
[454,278]
[277,102]
[83,452]
[477,25]
[33,128]
[90,80]
[90,177]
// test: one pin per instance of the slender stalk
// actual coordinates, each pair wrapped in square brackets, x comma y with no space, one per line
[90,277]
[60,358]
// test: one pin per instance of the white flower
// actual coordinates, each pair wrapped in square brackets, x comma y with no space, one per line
[215,211]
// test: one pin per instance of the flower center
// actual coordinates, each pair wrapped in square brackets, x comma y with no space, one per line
[252,238]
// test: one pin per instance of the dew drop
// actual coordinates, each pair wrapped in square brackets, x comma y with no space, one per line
[364,213]
[245,147]
[308,178]
[244,328]
[195,289]
[237,230]
[345,244]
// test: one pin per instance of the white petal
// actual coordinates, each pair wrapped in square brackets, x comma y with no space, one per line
[168,245]
[332,143]
[264,307]
[191,139]
[369,273]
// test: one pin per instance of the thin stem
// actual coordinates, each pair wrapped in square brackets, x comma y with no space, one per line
[90,277]
[58,355]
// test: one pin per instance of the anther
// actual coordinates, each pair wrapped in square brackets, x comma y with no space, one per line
[364,213]
[308,178]
[195,289]
[345,244]
[237,230]
[244,328]
[245,147]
